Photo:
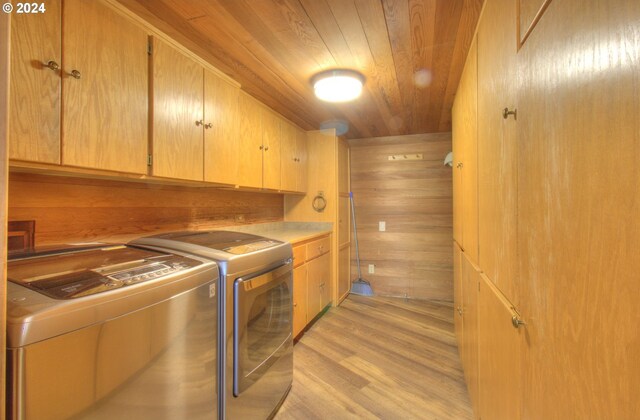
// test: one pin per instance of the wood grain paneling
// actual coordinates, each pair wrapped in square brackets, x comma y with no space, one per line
[106,110]
[5,41]
[35,89]
[410,51]
[413,256]
[379,358]
[578,206]
[71,210]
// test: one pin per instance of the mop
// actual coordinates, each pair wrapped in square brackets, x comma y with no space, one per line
[359,286]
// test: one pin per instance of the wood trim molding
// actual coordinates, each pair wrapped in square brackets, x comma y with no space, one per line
[5,55]
[522,38]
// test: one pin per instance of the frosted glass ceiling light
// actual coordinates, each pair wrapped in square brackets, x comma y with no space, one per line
[338,85]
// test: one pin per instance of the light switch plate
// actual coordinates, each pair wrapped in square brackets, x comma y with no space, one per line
[382,226]
[372,269]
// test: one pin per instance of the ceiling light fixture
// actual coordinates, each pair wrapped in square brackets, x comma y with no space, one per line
[337,85]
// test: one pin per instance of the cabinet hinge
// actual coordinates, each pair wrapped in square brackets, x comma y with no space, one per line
[149,160]
[149,48]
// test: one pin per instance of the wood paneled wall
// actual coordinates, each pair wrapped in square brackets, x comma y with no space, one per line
[71,209]
[414,197]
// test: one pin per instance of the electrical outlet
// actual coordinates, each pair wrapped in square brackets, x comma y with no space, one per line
[372,269]
[382,226]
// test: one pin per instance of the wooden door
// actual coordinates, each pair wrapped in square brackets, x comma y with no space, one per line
[343,167]
[271,133]
[302,165]
[250,142]
[344,220]
[289,155]
[499,357]
[470,284]
[178,133]
[497,146]
[105,105]
[457,297]
[578,207]
[299,299]
[221,128]
[34,120]
[469,136]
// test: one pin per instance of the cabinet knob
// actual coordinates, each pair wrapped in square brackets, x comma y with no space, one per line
[295,305]
[52,65]
[459,165]
[75,74]
[199,123]
[506,113]
[459,308]
[261,147]
[208,125]
[517,322]
[266,148]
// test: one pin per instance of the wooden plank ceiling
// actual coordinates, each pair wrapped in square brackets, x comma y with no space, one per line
[410,51]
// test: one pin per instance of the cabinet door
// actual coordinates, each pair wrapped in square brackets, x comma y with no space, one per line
[319,276]
[344,271]
[299,299]
[221,152]
[271,132]
[289,164]
[105,106]
[578,208]
[178,144]
[458,132]
[457,296]
[470,283]
[35,88]
[499,357]
[302,165]
[469,169]
[344,220]
[497,146]
[343,167]
[250,142]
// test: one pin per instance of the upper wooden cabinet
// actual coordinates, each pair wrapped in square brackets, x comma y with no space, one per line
[36,57]
[272,130]
[465,154]
[104,88]
[293,161]
[178,114]
[250,166]
[221,130]
[497,145]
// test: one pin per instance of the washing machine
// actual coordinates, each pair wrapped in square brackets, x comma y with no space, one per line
[112,332]
[256,347]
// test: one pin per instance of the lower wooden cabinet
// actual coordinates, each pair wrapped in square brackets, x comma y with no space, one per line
[470,280]
[312,277]
[299,299]
[499,356]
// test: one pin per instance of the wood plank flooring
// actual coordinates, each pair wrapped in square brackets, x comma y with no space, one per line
[379,357]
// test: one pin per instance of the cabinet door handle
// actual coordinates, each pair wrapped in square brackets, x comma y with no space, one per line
[517,322]
[506,113]
[52,65]
[75,74]
[208,125]
[198,123]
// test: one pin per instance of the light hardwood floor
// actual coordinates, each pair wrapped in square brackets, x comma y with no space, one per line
[379,358]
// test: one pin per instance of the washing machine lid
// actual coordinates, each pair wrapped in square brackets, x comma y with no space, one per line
[73,273]
[237,243]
